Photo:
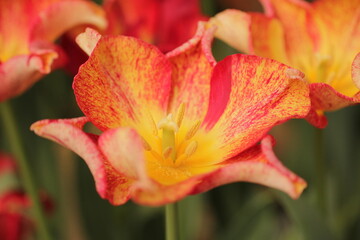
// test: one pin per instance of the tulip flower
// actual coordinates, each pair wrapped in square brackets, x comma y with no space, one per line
[180,123]
[15,218]
[27,32]
[167,24]
[320,38]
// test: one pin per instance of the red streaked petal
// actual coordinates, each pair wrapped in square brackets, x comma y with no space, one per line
[325,98]
[62,16]
[20,72]
[137,18]
[110,184]
[299,27]
[192,64]
[176,27]
[154,21]
[334,17]
[158,195]
[355,71]
[68,133]
[267,37]
[123,77]
[257,165]
[124,150]
[249,95]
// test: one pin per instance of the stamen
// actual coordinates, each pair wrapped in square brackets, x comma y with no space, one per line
[191,148]
[167,152]
[180,114]
[193,130]
[146,145]
[156,155]
[153,126]
[189,151]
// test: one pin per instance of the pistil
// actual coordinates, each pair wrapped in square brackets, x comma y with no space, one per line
[169,127]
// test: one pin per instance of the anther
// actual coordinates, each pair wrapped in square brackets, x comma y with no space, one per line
[193,130]
[180,114]
[152,123]
[146,145]
[156,155]
[167,152]
[191,148]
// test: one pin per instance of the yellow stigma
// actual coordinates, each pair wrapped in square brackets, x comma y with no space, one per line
[169,127]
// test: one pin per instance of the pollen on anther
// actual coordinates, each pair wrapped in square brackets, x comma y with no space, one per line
[193,130]
[180,114]
[191,148]
[152,123]
[146,145]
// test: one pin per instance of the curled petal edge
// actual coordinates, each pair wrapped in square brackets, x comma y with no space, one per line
[325,98]
[204,33]
[21,72]
[257,165]
[68,133]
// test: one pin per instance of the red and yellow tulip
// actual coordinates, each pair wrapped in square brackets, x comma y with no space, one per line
[180,123]
[320,38]
[27,31]
[15,217]
[166,24]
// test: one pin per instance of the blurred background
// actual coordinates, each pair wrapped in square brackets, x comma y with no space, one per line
[235,211]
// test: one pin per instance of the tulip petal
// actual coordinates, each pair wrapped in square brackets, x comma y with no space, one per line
[124,150]
[355,71]
[254,33]
[87,40]
[68,132]
[249,95]
[176,27]
[20,72]
[192,65]
[154,21]
[121,80]
[325,98]
[257,165]
[334,17]
[159,194]
[64,15]
[238,37]
[295,17]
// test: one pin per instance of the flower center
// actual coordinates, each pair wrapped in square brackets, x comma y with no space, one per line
[173,147]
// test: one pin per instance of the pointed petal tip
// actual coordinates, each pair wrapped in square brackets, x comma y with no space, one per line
[87,40]
[293,73]
[299,187]
[205,34]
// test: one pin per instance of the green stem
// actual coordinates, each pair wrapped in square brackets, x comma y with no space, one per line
[320,170]
[172,224]
[16,148]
